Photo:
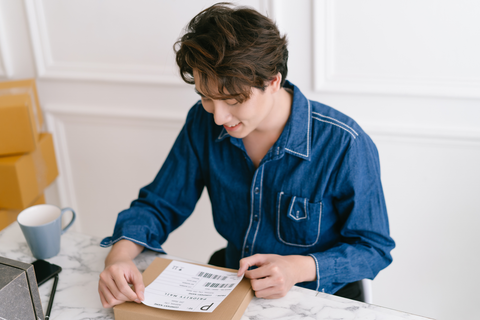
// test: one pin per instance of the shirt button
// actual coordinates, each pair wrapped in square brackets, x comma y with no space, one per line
[255,218]
[257,190]
[247,249]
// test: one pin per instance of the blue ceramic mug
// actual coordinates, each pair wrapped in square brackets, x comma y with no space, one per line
[42,227]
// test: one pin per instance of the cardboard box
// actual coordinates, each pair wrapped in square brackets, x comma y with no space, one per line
[8,216]
[232,307]
[19,297]
[21,119]
[26,86]
[18,131]
[25,177]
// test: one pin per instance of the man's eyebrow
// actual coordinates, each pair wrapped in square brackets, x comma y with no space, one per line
[199,93]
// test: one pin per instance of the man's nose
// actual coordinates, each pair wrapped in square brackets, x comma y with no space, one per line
[221,113]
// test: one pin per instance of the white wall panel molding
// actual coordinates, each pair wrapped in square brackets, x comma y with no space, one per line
[424,135]
[83,113]
[5,62]
[268,7]
[66,188]
[59,117]
[328,79]
[49,68]
[274,10]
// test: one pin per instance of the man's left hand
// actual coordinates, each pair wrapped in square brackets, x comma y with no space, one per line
[275,275]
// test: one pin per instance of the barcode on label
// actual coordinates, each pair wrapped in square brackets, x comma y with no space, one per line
[218,285]
[211,276]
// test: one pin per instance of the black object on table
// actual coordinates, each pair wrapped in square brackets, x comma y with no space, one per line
[44,271]
[52,296]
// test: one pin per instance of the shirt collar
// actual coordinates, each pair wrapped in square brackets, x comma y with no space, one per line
[295,138]
[223,134]
[299,125]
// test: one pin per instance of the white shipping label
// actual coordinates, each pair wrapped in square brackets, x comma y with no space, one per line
[188,287]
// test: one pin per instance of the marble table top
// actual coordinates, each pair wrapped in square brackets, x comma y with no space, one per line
[81,259]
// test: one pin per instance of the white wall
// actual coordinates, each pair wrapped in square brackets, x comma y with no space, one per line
[407,71]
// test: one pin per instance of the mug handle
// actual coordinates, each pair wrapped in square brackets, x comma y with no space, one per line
[71,222]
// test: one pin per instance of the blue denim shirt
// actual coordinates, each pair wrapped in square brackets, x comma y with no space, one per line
[316,192]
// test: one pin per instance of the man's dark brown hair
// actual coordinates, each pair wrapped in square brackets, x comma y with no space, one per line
[234,48]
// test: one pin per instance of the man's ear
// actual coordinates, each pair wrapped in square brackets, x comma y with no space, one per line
[275,83]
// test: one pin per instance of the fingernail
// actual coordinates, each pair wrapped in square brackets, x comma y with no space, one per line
[136,300]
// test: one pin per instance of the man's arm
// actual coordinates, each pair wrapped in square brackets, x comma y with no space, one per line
[161,207]
[119,272]
[358,200]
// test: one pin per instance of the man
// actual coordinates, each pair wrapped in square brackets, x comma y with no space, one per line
[294,184]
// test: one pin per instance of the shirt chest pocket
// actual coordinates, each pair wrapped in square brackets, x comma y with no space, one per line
[298,220]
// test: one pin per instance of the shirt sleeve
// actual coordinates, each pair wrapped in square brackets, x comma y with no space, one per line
[168,201]
[359,202]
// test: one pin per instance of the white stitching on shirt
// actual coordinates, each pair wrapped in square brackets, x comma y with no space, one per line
[294,244]
[259,209]
[291,207]
[342,123]
[251,214]
[354,137]
[308,135]
[317,271]
[295,217]
[278,214]
[305,207]
[223,133]
[136,241]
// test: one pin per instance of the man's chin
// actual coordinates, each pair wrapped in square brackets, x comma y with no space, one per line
[238,135]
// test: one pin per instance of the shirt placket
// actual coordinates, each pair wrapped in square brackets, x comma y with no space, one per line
[255,213]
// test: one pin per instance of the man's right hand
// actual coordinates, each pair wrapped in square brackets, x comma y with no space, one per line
[120,271]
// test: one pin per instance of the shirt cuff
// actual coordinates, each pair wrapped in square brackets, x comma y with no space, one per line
[109,241]
[317,272]
[326,268]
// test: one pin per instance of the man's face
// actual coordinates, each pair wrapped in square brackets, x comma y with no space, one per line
[239,119]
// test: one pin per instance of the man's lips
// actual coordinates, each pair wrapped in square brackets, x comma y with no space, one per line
[232,128]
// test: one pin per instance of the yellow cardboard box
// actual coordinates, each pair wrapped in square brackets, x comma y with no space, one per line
[232,307]
[8,216]
[24,177]
[26,86]
[18,130]
[21,119]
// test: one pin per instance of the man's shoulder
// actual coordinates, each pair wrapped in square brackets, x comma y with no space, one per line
[334,124]
[326,121]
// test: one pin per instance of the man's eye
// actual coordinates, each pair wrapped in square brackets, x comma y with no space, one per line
[232,102]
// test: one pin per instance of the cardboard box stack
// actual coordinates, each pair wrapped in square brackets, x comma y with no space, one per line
[27,155]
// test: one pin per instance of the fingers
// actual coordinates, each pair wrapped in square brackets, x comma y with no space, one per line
[267,277]
[273,277]
[121,289]
[271,287]
[262,271]
[137,281]
[114,286]
[106,297]
[243,267]
[261,284]
[270,294]
[255,260]
[105,304]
